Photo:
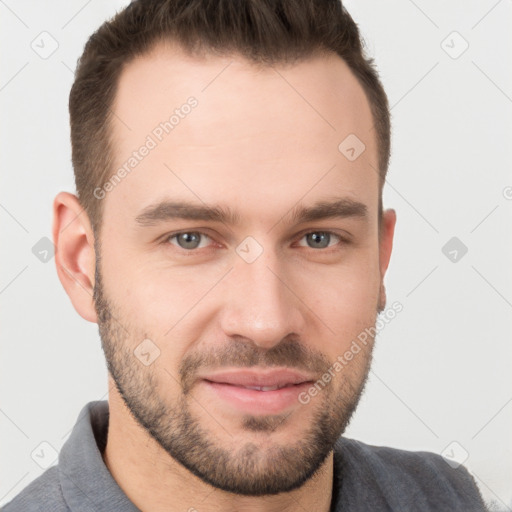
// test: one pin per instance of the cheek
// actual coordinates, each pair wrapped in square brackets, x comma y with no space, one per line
[169,306]
[154,292]
[170,297]
[344,298]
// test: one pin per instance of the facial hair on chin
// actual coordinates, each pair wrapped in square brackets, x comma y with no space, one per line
[246,470]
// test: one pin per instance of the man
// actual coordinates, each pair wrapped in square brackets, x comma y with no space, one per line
[229,239]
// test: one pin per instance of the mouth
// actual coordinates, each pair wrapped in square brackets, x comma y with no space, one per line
[257,388]
[257,392]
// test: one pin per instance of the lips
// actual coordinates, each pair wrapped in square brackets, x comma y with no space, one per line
[254,391]
[261,380]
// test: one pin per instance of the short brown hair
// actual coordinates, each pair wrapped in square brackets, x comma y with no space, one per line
[266,32]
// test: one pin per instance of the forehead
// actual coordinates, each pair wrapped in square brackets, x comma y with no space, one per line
[223,130]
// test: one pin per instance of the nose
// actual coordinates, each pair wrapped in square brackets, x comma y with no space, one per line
[260,302]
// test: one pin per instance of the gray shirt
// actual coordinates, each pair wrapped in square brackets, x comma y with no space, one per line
[366,478]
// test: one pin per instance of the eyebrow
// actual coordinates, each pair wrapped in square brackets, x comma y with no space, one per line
[341,208]
[169,210]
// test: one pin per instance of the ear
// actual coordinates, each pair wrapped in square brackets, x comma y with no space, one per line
[74,253]
[387,231]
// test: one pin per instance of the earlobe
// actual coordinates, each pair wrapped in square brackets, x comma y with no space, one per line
[75,257]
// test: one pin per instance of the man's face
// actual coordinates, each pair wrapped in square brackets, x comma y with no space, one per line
[239,299]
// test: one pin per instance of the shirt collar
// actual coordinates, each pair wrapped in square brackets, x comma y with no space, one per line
[86,482]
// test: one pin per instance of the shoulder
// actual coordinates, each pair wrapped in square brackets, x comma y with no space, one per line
[42,494]
[420,479]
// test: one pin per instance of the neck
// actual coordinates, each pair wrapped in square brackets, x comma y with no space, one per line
[155,482]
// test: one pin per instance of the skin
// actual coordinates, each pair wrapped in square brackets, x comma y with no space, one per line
[255,146]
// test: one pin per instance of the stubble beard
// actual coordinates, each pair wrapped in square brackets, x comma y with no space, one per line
[245,468]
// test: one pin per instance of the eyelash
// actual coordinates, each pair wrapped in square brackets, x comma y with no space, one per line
[342,240]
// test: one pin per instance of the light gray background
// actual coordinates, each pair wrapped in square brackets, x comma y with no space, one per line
[441,369]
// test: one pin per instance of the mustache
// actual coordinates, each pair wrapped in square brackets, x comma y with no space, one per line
[242,353]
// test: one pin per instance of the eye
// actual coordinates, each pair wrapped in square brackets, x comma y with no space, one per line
[189,240]
[320,239]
